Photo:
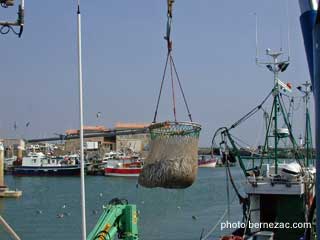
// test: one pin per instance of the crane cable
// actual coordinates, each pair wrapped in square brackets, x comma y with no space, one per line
[173,69]
[251,113]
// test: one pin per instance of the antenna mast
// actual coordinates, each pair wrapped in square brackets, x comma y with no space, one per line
[276,66]
[289,45]
[257,50]
[83,198]
[306,89]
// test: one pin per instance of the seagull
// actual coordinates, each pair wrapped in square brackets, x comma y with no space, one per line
[60,215]
[98,114]
[39,211]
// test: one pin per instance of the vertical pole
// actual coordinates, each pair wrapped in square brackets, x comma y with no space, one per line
[9,229]
[276,117]
[83,203]
[266,120]
[307,134]
[1,165]
[275,135]
[257,51]
[228,191]
[315,76]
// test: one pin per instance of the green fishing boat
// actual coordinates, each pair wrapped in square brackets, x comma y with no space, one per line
[279,196]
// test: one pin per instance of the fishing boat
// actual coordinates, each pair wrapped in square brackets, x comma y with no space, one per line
[38,164]
[275,192]
[123,167]
[205,161]
[112,155]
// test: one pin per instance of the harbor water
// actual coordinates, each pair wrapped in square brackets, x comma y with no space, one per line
[50,206]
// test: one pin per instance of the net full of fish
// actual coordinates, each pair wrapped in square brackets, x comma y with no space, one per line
[173,158]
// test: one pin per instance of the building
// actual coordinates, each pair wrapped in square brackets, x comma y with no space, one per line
[132,142]
[13,147]
[129,143]
[105,144]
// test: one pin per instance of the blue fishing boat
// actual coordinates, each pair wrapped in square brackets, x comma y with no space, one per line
[38,164]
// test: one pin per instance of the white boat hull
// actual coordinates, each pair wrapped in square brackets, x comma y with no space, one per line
[208,165]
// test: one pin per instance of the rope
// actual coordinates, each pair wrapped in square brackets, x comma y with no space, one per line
[173,94]
[5,29]
[213,142]
[292,98]
[173,69]
[181,89]
[160,92]
[215,226]
[287,113]
[241,199]
[260,132]
[251,113]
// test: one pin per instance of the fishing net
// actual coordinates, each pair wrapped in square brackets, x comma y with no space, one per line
[173,158]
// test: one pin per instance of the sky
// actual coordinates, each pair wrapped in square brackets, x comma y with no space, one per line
[123,59]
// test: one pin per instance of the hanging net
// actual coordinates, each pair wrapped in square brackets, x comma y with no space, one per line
[173,158]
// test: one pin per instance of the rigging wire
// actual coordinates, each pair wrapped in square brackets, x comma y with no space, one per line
[181,89]
[160,91]
[287,114]
[173,70]
[242,146]
[215,226]
[173,93]
[251,113]
[294,97]
[218,222]
[259,133]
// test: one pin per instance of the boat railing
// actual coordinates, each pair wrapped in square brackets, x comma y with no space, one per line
[276,179]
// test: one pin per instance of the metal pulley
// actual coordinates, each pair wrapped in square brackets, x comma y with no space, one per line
[170,8]
[169,21]
[6,3]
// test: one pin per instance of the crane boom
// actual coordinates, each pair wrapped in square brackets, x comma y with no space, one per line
[118,219]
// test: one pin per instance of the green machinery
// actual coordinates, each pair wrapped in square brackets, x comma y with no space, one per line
[119,219]
[274,131]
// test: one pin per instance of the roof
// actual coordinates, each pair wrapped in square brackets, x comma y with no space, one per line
[121,125]
[86,129]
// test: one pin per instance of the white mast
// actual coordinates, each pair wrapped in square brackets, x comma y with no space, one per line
[83,198]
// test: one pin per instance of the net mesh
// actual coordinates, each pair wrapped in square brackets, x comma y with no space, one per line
[173,158]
